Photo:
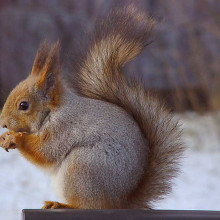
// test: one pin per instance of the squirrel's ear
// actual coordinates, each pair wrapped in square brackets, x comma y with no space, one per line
[40,58]
[48,76]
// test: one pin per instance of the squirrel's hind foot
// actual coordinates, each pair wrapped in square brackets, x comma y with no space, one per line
[56,205]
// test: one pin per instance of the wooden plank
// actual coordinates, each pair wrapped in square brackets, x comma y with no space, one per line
[66,214]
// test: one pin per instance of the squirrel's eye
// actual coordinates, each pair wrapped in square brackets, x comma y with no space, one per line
[24,105]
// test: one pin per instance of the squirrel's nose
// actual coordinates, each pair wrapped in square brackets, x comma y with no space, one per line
[4,126]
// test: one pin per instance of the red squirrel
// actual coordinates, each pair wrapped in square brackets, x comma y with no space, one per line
[105,142]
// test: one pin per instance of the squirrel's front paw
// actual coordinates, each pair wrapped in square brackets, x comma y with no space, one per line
[7,140]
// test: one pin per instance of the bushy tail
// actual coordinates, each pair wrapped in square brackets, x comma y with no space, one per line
[117,39]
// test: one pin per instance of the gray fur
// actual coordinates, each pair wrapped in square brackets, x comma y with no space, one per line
[102,147]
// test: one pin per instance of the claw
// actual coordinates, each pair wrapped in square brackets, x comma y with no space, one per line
[7,141]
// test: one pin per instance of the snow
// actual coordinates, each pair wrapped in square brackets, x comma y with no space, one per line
[23,186]
[198,186]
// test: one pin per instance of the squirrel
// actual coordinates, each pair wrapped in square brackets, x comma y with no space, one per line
[104,140]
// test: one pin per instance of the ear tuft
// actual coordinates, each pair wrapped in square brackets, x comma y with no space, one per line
[41,57]
[52,63]
[48,75]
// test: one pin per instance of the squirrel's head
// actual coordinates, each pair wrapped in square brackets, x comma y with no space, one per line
[30,102]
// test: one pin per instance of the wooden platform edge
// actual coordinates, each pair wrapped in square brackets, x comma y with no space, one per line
[137,214]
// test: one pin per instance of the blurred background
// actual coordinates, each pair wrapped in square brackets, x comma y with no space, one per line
[182,66]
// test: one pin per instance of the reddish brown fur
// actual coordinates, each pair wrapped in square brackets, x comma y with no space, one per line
[29,146]
[46,61]
[56,205]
